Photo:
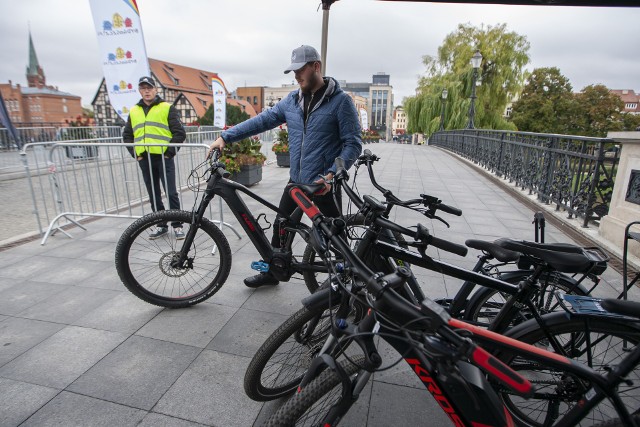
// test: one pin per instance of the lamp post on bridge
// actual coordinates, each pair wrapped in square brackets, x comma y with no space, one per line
[476,60]
[445,92]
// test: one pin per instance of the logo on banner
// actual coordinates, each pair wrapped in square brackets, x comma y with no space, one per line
[123,87]
[117,26]
[119,57]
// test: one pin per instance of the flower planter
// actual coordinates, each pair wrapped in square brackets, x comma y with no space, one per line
[248,175]
[283,159]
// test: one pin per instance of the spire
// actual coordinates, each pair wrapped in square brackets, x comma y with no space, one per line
[35,74]
[32,70]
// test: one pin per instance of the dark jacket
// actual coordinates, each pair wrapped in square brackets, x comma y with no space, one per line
[178,134]
[332,130]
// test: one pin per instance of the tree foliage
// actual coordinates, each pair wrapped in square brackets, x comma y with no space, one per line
[548,105]
[501,75]
[235,115]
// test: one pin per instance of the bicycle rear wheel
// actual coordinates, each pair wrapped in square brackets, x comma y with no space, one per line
[310,405]
[486,303]
[600,343]
[144,264]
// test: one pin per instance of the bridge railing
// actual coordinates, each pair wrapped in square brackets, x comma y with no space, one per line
[575,173]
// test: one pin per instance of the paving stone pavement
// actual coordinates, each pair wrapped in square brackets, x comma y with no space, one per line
[76,348]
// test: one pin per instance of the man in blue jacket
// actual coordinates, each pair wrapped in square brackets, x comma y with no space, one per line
[323,124]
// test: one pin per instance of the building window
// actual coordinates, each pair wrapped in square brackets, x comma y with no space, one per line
[631,106]
[508,112]
[65,109]
[255,100]
[248,99]
[187,114]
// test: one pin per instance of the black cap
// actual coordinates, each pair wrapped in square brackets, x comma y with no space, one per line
[147,80]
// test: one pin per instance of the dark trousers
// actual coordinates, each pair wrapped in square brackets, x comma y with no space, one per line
[156,169]
[325,203]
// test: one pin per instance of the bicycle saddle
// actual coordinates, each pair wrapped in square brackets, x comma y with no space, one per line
[308,189]
[496,251]
[560,257]
[626,308]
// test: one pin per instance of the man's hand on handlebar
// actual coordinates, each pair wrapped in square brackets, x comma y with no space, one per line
[326,181]
[218,143]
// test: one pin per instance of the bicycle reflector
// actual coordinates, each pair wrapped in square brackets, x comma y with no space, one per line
[304,202]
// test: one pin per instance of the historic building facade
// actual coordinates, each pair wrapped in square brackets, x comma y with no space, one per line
[188,89]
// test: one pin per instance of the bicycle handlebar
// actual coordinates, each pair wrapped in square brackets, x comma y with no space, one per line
[382,288]
[424,235]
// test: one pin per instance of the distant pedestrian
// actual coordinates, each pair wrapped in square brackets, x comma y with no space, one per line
[152,121]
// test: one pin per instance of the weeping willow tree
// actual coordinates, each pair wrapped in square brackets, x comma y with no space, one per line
[500,77]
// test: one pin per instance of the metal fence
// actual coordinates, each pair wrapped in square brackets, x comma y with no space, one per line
[74,180]
[576,173]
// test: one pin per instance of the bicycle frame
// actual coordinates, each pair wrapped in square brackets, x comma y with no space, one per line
[228,190]
[447,386]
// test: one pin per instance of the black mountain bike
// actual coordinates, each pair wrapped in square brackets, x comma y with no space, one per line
[179,273]
[443,352]
[277,367]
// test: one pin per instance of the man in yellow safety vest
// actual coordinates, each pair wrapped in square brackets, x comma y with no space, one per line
[154,126]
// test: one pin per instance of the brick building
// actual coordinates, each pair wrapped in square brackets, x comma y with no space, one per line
[630,98]
[38,103]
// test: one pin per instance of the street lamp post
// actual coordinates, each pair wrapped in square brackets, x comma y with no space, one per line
[476,60]
[445,92]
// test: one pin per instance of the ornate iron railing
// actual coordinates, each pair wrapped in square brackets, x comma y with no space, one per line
[575,173]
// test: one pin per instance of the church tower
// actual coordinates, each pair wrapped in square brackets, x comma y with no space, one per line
[35,75]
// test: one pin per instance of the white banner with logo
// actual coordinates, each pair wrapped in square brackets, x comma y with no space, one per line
[122,51]
[219,102]
[364,119]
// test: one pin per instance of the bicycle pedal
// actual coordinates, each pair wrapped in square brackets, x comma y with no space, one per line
[260,266]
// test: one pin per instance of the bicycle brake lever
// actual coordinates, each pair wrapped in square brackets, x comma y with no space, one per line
[432,215]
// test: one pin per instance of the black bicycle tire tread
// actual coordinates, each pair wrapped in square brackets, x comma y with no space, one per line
[558,324]
[126,239]
[298,404]
[253,374]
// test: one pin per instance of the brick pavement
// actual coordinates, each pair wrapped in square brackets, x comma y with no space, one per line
[76,348]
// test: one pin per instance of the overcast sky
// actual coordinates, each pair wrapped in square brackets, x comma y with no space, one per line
[249,42]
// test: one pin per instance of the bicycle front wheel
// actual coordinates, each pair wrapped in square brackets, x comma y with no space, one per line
[145,265]
[310,405]
[601,343]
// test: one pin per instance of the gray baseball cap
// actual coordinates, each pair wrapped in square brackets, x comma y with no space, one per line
[300,56]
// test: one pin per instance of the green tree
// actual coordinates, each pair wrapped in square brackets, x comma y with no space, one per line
[235,115]
[546,104]
[501,75]
[599,111]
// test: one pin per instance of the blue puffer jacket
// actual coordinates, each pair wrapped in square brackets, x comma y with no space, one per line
[332,130]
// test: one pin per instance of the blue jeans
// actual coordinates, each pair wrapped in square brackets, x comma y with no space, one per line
[155,167]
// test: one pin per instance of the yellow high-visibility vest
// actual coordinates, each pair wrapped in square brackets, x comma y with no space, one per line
[151,129]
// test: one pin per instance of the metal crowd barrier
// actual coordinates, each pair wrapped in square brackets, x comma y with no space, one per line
[74,180]
[101,179]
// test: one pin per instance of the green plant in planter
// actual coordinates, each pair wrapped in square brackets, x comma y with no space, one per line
[281,146]
[243,153]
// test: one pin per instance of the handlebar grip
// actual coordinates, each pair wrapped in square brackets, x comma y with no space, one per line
[449,209]
[501,372]
[448,246]
[339,165]
[223,172]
